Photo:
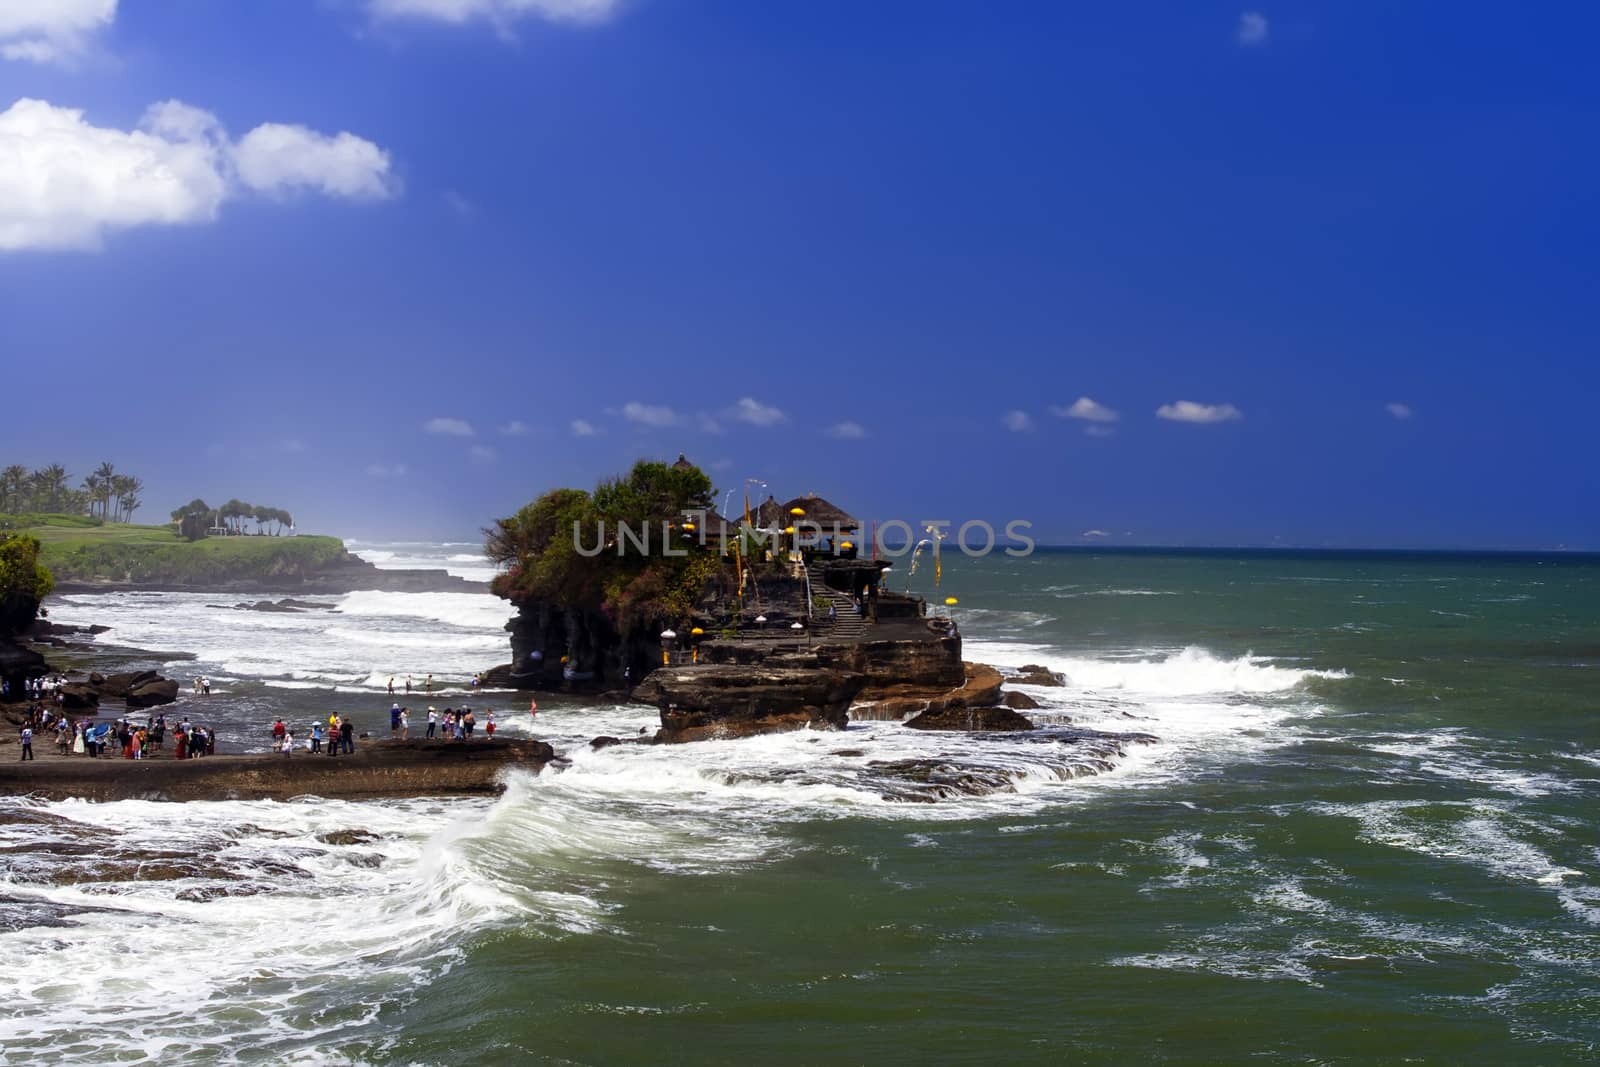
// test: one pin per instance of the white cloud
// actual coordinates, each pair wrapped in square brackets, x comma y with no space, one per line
[482,453]
[51,31]
[448,427]
[1189,411]
[277,158]
[387,470]
[1095,533]
[1398,410]
[847,431]
[64,182]
[1252,29]
[1017,421]
[500,13]
[515,428]
[583,428]
[656,416]
[754,412]
[1086,409]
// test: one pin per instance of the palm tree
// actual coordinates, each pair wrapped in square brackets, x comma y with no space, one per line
[128,490]
[106,473]
[53,481]
[13,480]
[92,486]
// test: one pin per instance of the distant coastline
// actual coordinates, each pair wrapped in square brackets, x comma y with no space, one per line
[122,557]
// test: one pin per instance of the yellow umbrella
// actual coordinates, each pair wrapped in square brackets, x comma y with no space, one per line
[951,601]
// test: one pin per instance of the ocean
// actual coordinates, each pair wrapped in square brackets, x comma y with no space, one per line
[1365,833]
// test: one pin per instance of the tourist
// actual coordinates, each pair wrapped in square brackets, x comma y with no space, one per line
[391,685]
[211,740]
[477,680]
[408,683]
[394,720]
[468,723]
[288,743]
[27,743]
[316,737]
[488,726]
[433,720]
[405,724]
[427,686]
[180,744]
[278,730]
[347,734]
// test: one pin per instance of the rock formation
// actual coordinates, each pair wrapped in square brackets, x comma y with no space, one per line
[711,701]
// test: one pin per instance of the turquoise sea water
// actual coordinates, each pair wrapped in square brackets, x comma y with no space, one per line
[1366,834]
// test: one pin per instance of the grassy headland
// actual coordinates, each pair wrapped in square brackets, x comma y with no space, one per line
[78,549]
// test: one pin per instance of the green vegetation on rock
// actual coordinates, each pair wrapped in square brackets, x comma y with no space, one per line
[24,581]
[633,589]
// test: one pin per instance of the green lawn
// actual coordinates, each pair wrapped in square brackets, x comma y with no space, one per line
[78,549]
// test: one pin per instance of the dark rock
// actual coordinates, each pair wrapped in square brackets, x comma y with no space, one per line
[1033,674]
[604,742]
[153,692]
[1020,701]
[77,696]
[347,837]
[724,701]
[973,720]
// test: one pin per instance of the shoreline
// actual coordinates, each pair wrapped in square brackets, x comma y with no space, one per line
[376,770]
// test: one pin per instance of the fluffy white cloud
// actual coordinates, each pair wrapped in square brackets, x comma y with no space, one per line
[583,428]
[656,416]
[1189,411]
[754,412]
[515,428]
[1017,421]
[1398,410]
[448,427]
[1086,409]
[51,31]
[499,12]
[847,431]
[275,158]
[65,182]
[1252,29]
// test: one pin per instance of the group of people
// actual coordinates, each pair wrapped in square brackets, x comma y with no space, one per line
[457,724]
[201,686]
[42,688]
[131,740]
[339,735]
[427,685]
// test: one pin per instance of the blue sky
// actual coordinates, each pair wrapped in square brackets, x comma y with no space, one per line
[1323,271]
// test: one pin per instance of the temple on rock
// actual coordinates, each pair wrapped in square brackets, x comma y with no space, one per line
[783,616]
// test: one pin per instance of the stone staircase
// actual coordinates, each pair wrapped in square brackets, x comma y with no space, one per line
[847,625]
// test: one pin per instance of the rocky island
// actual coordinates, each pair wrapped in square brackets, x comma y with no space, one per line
[774,623]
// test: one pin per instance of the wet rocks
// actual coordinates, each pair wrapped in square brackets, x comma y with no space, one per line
[1020,701]
[1035,674]
[974,720]
[718,701]
[151,693]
